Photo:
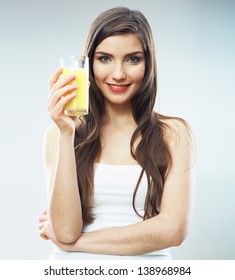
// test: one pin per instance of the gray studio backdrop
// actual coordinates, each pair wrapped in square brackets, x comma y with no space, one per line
[195,51]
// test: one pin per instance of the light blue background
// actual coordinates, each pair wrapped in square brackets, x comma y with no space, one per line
[195,43]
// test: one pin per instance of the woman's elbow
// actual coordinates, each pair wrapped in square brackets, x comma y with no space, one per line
[179,234]
[67,235]
[67,238]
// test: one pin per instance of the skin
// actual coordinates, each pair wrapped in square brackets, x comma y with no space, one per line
[113,65]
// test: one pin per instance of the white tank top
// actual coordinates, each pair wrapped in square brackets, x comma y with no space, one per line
[113,193]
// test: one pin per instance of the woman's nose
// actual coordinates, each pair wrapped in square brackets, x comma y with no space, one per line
[118,73]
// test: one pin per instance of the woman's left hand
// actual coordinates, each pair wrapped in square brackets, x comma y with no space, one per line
[44,226]
[46,232]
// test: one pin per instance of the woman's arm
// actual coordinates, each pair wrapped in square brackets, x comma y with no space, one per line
[64,200]
[64,211]
[167,229]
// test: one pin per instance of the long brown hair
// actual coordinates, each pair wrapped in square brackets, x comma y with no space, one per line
[152,152]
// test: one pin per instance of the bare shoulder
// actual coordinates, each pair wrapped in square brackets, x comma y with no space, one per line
[51,132]
[176,131]
[179,137]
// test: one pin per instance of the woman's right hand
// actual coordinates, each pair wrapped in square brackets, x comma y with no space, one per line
[61,91]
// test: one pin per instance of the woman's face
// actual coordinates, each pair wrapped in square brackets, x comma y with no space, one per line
[119,67]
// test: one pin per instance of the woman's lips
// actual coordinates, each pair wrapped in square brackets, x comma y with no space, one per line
[118,88]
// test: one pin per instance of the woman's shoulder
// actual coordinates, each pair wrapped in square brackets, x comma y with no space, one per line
[51,131]
[175,125]
[177,132]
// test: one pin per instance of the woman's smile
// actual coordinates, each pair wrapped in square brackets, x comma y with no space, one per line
[118,88]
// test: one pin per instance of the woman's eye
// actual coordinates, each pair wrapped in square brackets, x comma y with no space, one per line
[134,59]
[104,59]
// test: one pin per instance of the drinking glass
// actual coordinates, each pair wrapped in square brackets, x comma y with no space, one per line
[79,66]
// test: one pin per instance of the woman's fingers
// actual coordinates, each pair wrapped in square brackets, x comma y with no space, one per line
[43,218]
[54,98]
[56,111]
[46,232]
[44,212]
[43,234]
[61,82]
[54,78]
[42,225]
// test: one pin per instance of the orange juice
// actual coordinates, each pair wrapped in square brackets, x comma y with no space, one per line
[79,104]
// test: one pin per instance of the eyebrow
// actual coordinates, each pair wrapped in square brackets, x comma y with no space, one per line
[128,54]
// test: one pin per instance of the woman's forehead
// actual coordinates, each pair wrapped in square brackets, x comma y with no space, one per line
[124,43]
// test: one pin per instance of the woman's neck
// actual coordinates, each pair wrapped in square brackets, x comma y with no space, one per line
[118,115]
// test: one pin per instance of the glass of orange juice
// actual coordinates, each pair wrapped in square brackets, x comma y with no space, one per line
[78,66]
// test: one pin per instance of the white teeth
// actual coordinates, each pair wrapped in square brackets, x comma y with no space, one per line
[118,86]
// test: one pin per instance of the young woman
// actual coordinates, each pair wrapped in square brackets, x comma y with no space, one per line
[120,179]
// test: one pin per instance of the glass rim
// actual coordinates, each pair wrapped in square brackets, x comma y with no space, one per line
[74,56]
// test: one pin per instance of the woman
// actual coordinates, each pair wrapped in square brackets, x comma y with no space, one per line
[120,179]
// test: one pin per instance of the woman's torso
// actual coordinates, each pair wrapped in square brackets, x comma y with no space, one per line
[113,194]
